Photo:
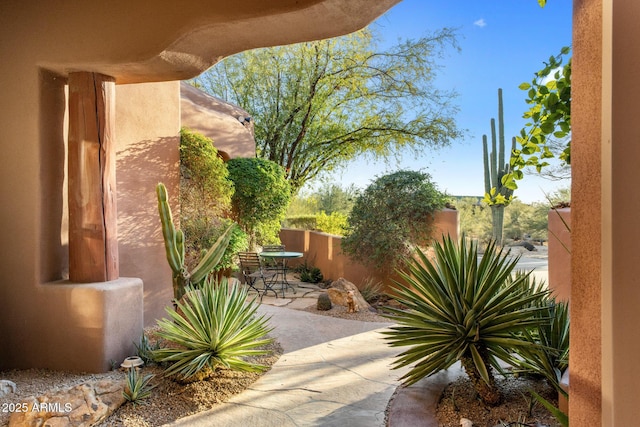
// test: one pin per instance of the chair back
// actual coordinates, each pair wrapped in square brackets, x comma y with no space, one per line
[249,262]
[271,264]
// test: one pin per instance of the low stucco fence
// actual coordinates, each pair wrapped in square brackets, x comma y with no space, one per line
[324,250]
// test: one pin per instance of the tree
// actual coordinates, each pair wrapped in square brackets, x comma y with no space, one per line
[329,198]
[261,198]
[205,191]
[320,104]
[391,217]
[547,133]
[333,198]
[205,200]
[475,218]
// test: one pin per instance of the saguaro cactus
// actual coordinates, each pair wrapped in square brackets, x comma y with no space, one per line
[174,246]
[497,194]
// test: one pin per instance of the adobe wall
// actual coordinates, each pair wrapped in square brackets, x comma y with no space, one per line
[148,141]
[324,250]
[585,360]
[46,322]
[559,254]
[225,124]
[620,204]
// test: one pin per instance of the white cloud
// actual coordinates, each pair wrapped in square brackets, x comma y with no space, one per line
[480,23]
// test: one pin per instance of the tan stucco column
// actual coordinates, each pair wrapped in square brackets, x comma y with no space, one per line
[586,237]
[93,242]
[605,288]
[620,210]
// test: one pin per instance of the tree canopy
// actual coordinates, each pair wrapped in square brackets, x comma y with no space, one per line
[547,133]
[318,105]
[391,217]
[261,198]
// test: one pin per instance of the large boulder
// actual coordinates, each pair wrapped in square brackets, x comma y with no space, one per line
[339,293]
[80,406]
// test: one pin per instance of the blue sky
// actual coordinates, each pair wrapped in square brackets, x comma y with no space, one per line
[503,42]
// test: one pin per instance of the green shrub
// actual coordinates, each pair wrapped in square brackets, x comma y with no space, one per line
[205,190]
[462,309]
[390,218]
[261,197]
[201,235]
[335,223]
[214,325]
[313,275]
[304,222]
[309,273]
[205,198]
[371,291]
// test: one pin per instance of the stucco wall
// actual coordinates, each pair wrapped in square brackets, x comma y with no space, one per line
[586,216]
[559,254]
[324,251]
[228,126]
[620,204]
[147,134]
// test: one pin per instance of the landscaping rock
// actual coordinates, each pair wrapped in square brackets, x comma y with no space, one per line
[7,387]
[324,302]
[80,406]
[339,294]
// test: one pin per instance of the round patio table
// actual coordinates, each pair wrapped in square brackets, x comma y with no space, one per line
[282,266]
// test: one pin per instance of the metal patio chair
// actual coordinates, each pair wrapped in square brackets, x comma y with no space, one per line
[253,271]
[273,263]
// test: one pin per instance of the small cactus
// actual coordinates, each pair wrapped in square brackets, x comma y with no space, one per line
[174,246]
[324,302]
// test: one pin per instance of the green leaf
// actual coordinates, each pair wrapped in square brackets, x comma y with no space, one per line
[562,418]
[529,148]
[547,127]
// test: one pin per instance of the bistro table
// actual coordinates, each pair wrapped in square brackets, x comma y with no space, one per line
[282,256]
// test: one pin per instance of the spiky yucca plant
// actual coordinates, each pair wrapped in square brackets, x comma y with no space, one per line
[137,387]
[462,308]
[213,325]
[551,357]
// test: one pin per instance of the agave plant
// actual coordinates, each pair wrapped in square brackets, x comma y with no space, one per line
[213,325]
[550,358]
[137,387]
[460,308]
